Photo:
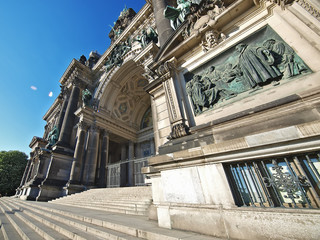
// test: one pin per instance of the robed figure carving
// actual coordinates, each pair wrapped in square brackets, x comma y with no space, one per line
[256,65]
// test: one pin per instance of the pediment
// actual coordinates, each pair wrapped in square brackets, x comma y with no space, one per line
[207,17]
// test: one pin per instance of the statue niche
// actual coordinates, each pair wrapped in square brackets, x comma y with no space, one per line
[260,60]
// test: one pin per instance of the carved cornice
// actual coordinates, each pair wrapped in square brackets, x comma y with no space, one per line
[53,108]
[310,8]
[37,140]
[76,69]
[106,122]
[282,3]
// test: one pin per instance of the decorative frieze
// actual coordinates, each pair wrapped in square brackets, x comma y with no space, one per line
[260,60]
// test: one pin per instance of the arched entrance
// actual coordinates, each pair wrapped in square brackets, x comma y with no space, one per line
[127,115]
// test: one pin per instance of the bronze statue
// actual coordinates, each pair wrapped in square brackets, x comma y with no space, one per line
[86,97]
[53,137]
[178,15]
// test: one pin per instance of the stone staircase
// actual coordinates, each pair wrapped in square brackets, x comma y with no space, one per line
[129,200]
[55,220]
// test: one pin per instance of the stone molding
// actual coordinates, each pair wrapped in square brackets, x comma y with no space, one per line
[281,3]
[306,139]
[310,8]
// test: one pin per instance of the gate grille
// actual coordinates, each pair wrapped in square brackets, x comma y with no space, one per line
[291,181]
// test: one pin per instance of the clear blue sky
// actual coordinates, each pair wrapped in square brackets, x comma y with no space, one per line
[38,40]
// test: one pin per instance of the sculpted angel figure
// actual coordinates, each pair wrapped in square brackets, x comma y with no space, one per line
[178,15]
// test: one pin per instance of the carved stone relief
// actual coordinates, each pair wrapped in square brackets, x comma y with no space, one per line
[211,39]
[259,60]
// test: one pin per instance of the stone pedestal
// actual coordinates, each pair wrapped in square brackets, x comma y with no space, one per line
[73,188]
[30,193]
[57,175]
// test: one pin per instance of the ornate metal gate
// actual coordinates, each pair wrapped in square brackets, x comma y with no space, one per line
[114,172]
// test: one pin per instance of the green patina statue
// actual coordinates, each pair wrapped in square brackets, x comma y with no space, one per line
[178,15]
[86,97]
[147,35]
[117,54]
[52,137]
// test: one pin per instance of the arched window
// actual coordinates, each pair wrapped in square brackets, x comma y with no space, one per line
[147,119]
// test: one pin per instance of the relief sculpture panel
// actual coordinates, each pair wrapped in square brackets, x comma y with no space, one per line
[263,59]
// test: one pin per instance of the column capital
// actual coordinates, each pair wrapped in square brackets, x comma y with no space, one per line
[83,125]
[105,133]
[167,69]
[77,82]
[94,128]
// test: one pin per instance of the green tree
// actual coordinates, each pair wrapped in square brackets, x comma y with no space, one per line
[12,165]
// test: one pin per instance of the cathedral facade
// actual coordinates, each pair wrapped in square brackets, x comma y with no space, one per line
[214,104]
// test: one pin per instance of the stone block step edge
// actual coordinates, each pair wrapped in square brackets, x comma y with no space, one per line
[127,206]
[36,228]
[51,225]
[101,198]
[3,230]
[13,223]
[140,233]
[121,202]
[84,228]
[114,210]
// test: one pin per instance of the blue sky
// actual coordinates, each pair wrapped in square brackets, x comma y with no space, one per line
[38,40]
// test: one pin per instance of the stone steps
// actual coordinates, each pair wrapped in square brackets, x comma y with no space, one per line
[7,229]
[72,222]
[19,229]
[61,226]
[133,200]
[109,208]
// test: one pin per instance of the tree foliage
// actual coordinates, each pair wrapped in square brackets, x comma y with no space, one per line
[12,165]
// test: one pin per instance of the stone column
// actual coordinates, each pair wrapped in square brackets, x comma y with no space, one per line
[152,148]
[92,156]
[131,164]
[123,167]
[167,74]
[64,94]
[163,24]
[104,159]
[68,120]
[77,164]
[123,152]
